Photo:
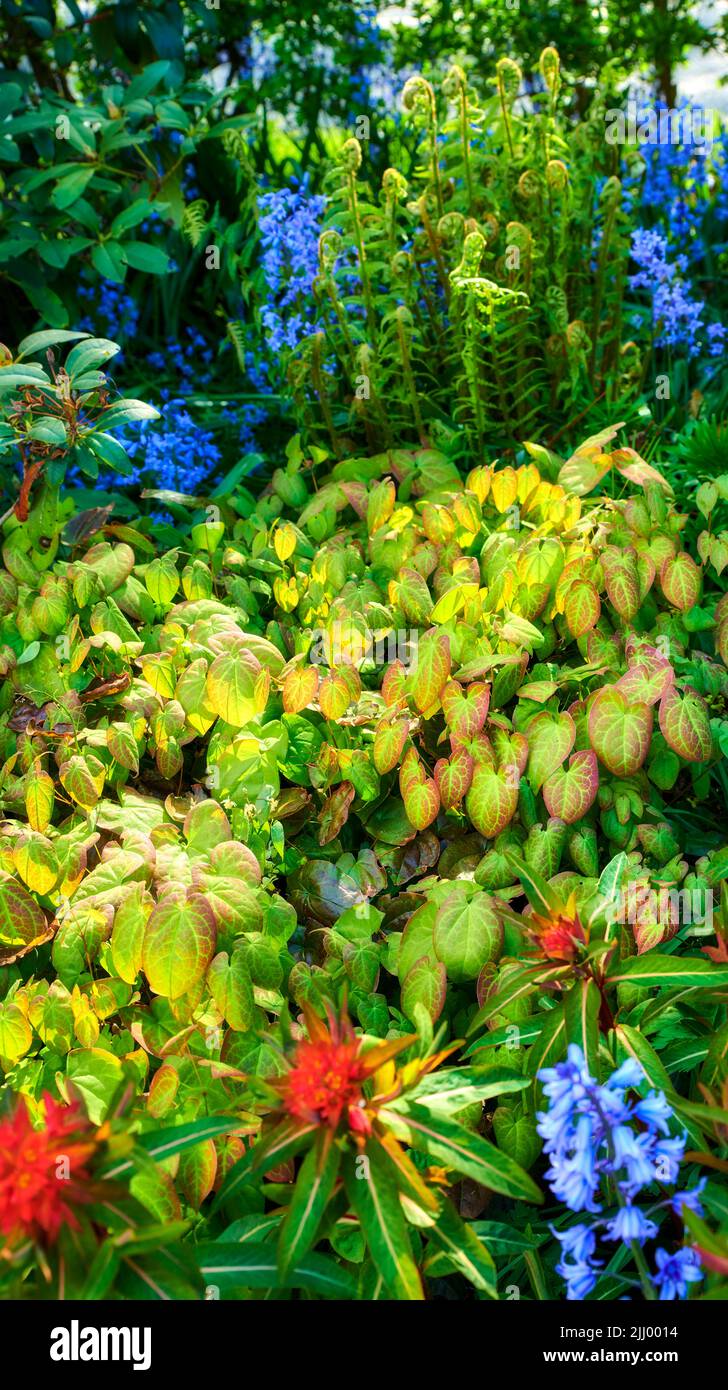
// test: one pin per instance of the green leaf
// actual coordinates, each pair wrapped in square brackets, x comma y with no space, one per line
[452,1088]
[97,1075]
[16,1034]
[656,969]
[466,1252]
[179,943]
[139,256]
[314,1185]
[38,342]
[371,1186]
[492,799]
[254,1266]
[284,1143]
[232,989]
[21,919]
[71,186]
[550,740]
[161,1144]
[230,689]
[468,933]
[581,1011]
[425,985]
[109,261]
[519,984]
[449,1143]
[620,731]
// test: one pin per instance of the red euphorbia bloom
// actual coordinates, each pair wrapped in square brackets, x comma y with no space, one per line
[42,1171]
[559,935]
[323,1085]
[325,1081]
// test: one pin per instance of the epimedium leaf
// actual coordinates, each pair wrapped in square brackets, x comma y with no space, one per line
[468,932]
[230,686]
[570,792]
[680,580]
[551,738]
[232,989]
[335,812]
[389,742]
[582,607]
[425,984]
[492,799]
[619,731]
[300,688]
[432,669]
[453,777]
[685,723]
[197,1172]
[179,943]
[22,919]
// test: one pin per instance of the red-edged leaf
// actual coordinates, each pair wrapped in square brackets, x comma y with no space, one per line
[680,581]
[453,777]
[569,793]
[620,732]
[551,738]
[685,723]
[492,800]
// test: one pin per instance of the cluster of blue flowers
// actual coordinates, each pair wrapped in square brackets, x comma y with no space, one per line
[592,1133]
[114,312]
[676,316]
[188,359]
[681,181]
[290,225]
[176,453]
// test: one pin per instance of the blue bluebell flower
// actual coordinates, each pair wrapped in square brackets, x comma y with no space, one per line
[174,453]
[676,1272]
[112,312]
[290,225]
[600,1142]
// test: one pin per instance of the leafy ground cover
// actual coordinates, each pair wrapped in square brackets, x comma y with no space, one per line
[363,702]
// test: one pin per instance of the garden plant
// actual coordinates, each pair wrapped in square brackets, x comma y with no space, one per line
[363,655]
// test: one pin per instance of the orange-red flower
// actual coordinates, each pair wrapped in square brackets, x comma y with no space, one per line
[323,1085]
[42,1171]
[324,1081]
[559,935]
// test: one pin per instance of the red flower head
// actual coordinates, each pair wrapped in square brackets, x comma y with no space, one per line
[325,1079]
[323,1085]
[559,936]
[42,1172]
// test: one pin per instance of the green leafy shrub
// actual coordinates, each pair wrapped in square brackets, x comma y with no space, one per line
[314,756]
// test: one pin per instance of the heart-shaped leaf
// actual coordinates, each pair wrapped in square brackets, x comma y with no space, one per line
[582,607]
[550,740]
[179,943]
[680,581]
[468,934]
[492,800]
[230,686]
[389,741]
[465,710]
[453,777]
[569,793]
[619,731]
[685,723]
[432,670]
